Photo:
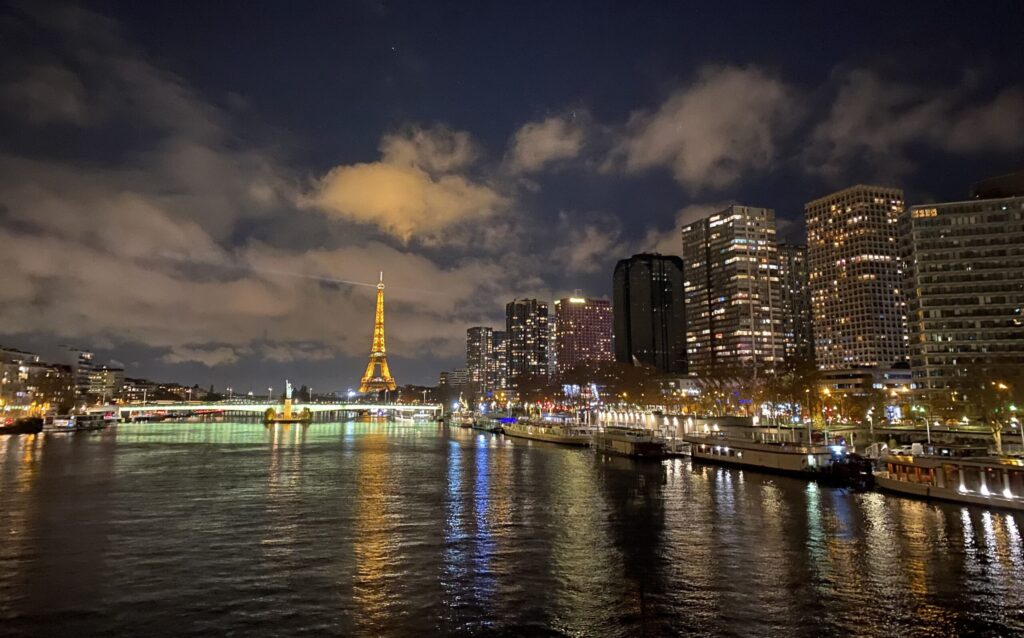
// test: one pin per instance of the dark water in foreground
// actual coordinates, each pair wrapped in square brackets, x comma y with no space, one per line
[386,529]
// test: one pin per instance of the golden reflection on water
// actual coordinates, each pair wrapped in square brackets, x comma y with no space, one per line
[24,452]
[284,480]
[373,532]
[581,551]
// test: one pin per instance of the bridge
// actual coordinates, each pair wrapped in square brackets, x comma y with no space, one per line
[128,412]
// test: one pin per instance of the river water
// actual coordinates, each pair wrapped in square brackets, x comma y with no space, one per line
[376,528]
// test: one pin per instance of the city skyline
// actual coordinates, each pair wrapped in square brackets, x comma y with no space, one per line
[216,238]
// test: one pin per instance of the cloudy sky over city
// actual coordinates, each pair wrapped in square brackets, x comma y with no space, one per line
[206,192]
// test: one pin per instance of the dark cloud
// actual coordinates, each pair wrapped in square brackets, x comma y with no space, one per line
[162,222]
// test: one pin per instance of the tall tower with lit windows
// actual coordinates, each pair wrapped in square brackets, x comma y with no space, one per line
[856,276]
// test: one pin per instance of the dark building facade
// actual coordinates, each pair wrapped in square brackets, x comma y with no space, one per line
[480,360]
[733,299]
[966,293]
[797,326]
[583,332]
[526,340]
[649,317]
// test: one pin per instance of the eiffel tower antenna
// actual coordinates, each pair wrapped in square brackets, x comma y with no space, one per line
[377,376]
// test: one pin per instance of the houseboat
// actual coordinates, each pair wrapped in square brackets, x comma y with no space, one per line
[627,441]
[565,432]
[76,423]
[415,417]
[989,481]
[487,424]
[732,441]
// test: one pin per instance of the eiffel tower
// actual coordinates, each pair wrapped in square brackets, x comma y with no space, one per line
[373,381]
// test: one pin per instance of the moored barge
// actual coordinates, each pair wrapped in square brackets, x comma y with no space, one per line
[631,442]
[989,481]
[562,432]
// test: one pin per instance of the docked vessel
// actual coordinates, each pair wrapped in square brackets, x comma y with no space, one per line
[75,423]
[487,424]
[627,441]
[21,425]
[417,417]
[830,463]
[990,481]
[552,431]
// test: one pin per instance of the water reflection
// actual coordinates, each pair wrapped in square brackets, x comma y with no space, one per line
[376,528]
[372,538]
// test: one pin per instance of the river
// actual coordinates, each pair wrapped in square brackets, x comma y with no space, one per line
[380,529]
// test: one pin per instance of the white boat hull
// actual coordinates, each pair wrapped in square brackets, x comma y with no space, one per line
[922,490]
[547,434]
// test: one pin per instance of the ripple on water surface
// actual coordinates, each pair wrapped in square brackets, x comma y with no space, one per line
[375,528]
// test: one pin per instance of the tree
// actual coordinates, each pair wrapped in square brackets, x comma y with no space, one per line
[988,391]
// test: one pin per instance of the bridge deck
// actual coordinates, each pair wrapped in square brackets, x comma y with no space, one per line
[260,408]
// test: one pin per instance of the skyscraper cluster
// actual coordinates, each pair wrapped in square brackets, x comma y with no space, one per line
[536,347]
[880,295]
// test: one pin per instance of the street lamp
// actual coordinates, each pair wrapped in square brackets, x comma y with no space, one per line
[927,426]
[871,423]
[1015,422]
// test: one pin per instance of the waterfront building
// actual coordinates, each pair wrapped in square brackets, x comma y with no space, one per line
[858,382]
[15,366]
[480,361]
[500,361]
[648,313]
[583,332]
[797,328]
[552,347]
[135,390]
[734,302]
[52,386]
[82,365]
[105,383]
[856,277]
[459,378]
[966,292]
[526,328]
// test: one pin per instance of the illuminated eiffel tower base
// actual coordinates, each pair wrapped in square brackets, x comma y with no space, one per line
[377,376]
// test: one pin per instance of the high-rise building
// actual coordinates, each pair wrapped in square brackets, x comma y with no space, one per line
[734,301]
[82,366]
[583,332]
[552,348]
[500,361]
[459,378]
[965,292]
[648,314]
[480,360]
[526,328]
[797,329]
[856,278]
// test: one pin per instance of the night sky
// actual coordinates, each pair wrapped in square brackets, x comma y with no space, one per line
[189,188]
